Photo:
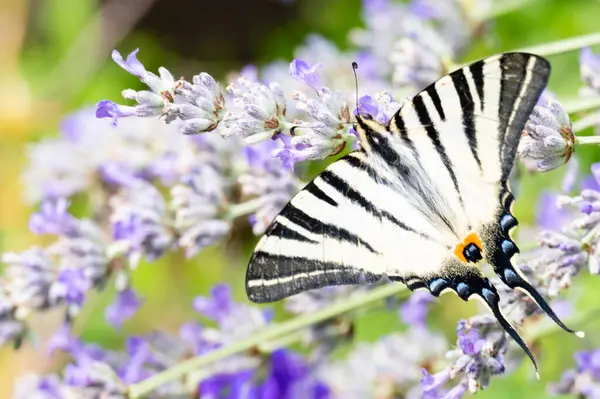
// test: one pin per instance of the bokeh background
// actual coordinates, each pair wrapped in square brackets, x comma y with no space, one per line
[55,58]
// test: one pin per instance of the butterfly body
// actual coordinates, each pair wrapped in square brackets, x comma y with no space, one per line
[424,201]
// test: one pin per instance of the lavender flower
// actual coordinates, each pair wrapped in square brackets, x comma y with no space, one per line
[381,108]
[199,203]
[481,346]
[140,224]
[584,380]
[150,103]
[590,69]
[326,136]
[124,307]
[548,140]
[414,311]
[204,108]
[305,73]
[373,369]
[266,183]
[261,113]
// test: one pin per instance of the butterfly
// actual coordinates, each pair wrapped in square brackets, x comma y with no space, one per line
[425,201]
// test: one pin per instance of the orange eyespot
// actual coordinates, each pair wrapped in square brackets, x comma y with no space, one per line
[469,250]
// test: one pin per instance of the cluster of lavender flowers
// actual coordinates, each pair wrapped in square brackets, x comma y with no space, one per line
[152,191]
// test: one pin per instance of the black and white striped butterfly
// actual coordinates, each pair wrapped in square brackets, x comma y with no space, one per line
[423,202]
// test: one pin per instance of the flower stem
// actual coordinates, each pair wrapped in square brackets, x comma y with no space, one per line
[587,121]
[580,105]
[563,46]
[587,140]
[271,333]
[499,8]
[245,208]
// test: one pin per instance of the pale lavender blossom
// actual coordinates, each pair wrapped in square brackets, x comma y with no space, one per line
[267,183]
[141,226]
[124,307]
[589,64]
[415,309]
[199,205]
[306,73]
[260,114]
[548,140]
[150,103]
[583,381]
[204,106]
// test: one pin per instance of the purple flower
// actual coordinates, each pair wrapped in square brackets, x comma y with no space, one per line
[62,340]
[550,216]
[590,68]
[132,65]
[218,304]
[124,307]
[261,112]
[305,73]
[71,286]
[109,109]
[268,181]
[548,139]
[140,223]
[52,218]
[470,342]
[584,380]
[414,311]
[200,206]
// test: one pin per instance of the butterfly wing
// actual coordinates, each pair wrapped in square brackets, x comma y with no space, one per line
[423,201]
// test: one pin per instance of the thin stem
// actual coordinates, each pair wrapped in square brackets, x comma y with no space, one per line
[499,8]
[580,105]
[587,121]
[245,208]
[587,140]
[563,46]
[271,333]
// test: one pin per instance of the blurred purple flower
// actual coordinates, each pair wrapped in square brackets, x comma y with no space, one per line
[305,73]
[414,311]
[53,218]
[584,380]
[265,180]
[71,286]
[551,216]
[589,64]
[218,304]
[124,307]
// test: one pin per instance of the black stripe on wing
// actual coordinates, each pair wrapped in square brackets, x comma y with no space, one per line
[279,230]
[517,88]
[271,277]
[468,107]
[354,196]
[302,219]
[432,133]
[317,192]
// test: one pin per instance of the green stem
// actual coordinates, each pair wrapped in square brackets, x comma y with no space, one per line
[587,140]
[245,208]
[587,121]
[580,105]
[563,46]
[271,333]
[500,8]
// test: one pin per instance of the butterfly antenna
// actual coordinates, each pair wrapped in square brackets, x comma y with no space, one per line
[354,68]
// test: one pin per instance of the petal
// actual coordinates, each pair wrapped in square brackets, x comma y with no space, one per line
[131,65]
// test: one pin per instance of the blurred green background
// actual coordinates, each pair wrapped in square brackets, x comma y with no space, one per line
[56,58]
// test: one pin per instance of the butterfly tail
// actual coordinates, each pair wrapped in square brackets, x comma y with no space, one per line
[500,260]
[492,299]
